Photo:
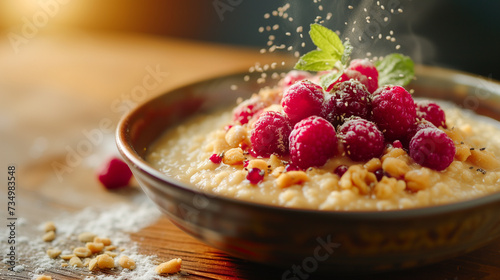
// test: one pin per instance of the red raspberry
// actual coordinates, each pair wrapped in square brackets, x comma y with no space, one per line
[270,134]
[295,76]
[432,112]
[215,158]
[255,176]
[397,144]
[349,98]
[394,112]
[248,109]
[114,174]
[432,148]
[362,139]
[346,76]
[340,170]
[350,74]
[312,142]
[417,126]
[380,173]
[367,69]
[301,100]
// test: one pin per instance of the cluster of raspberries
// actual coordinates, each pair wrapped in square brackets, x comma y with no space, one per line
[355,112]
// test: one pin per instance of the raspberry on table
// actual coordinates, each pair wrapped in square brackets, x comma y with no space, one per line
[301,100]
[248,109]
[114,174]
[366,68]
[394,112]
[431,112]
[270,134]
[295,76]
[312,142]
[362,139]
[349,98]
[432,148]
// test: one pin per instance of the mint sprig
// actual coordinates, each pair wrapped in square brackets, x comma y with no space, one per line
[331,53]
[329,50]
[395,69]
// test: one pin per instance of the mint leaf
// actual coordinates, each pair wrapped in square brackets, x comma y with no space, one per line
[395,69]
[326,80]
[326,40]
[329,51]
[315,61]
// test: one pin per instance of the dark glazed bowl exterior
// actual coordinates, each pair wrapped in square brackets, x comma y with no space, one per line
[338,241]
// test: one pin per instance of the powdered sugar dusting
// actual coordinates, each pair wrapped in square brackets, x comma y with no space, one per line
[115,222]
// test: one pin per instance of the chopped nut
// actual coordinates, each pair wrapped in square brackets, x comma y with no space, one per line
[76,261]
[395,167]
[94,247]
[278,171]
[67,257]
[49,226]
[233,156]
[418,179]
[257,163]
[53,253]
[105,241]
[236,135]
[455,134]
[358,177]
[86,261]
[462,152]
[105,261]
[393,153]
[64,264]
[373,164]
[387,187]
[484,159]
[275,162]
[291,178]
[110,248]
[126,262]
[111,254]
[44,277]
[86,237]
[49,236]
[93,264]
[170,267]
[82,252]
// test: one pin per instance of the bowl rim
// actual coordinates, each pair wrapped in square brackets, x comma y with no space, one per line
[133,158]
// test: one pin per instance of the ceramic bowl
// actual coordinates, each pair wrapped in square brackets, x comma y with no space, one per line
[367,241]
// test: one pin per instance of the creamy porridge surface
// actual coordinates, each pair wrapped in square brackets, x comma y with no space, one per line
[184,153]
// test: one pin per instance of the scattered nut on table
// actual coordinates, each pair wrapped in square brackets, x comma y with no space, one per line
[170,267]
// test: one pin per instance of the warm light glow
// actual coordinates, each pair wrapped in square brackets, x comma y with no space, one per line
[44,14]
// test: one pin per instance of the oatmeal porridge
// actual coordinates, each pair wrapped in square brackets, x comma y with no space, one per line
[184,153]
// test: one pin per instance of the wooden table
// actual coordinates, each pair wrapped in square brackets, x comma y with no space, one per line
[58,86]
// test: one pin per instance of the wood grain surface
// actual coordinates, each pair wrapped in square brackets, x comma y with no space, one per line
[56,87]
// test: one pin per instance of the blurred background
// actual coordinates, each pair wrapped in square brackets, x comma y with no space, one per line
[460,34]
